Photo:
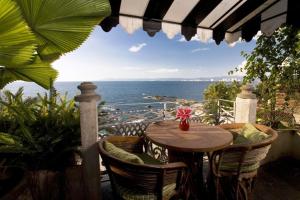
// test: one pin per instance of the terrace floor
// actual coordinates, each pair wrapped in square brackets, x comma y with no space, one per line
[279,180]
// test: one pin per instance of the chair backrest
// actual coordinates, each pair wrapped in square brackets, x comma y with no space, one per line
[144,178]
[130,129]
[242,158]
[139,129]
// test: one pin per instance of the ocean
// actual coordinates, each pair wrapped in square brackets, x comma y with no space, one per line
[125,92]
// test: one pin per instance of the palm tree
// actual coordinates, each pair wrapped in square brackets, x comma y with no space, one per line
[34,33]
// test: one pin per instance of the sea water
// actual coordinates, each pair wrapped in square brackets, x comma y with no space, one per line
[125,92]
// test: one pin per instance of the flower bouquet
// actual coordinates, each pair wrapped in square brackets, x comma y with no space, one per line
[184,114]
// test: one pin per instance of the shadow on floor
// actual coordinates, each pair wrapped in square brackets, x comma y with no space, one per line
[279,180]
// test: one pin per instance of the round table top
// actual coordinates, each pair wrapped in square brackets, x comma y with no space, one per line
[199,138]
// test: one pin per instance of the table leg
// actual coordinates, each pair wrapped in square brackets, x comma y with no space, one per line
[194,188]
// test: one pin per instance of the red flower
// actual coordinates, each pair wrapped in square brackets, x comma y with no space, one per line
[183,113]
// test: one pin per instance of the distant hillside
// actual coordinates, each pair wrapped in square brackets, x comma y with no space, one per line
[210,79]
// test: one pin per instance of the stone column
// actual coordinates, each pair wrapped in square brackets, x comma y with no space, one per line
[245,105]
[89,130]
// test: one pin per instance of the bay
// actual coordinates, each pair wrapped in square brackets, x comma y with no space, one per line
[124,92]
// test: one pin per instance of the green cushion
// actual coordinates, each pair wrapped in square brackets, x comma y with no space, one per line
[147,159]
[121,154]
[240,139]
[135,194]
[250,132]
[237,137]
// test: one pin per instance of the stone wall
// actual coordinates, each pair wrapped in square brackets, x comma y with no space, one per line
[286,145]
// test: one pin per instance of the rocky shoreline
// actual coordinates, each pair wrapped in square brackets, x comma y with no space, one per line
[150,111]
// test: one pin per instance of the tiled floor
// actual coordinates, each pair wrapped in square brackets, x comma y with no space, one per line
[279,180]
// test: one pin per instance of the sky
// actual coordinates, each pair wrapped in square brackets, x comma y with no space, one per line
[117,55]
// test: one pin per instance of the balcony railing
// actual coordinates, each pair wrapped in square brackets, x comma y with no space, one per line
[226,110]
[114,115]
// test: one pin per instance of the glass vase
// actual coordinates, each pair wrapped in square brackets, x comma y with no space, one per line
[184,125]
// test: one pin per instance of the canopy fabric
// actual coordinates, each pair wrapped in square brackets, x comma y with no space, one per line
[217,19]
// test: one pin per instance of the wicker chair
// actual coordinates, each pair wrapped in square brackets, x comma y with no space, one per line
[146,180]
[138,129]
[237,181]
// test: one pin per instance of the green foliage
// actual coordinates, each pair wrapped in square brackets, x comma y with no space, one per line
[35,33]
[62,25]
[17,49]
[40,132]
[214,92]
[17,42]
[298,45]
[275,63]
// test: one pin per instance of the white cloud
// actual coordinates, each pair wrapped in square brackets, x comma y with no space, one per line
[200,49]
[131,68]
[182,39]
[239,67]
[234,43]
[259,33]
[211,41]
[164,70]
[136,48]
[194,38]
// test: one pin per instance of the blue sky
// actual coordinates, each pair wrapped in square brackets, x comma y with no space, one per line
[117,55]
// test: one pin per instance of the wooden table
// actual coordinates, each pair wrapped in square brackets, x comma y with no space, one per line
[189,146]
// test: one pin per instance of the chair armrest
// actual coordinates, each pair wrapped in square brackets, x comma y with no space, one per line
[170,166]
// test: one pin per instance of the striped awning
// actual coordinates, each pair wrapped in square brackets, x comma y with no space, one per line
[217,19]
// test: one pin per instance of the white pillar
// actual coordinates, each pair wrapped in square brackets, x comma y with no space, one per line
[89,130]
[245,105]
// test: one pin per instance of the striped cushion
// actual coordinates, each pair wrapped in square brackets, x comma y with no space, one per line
[121,154]
[134,194]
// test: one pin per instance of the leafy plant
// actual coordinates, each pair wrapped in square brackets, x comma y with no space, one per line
[40,132]
[33,34]
[275,63]
[212,94]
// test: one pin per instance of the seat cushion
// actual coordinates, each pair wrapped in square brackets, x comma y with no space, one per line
[240,139]
[121,153]
[135,194]
[147,159]
[250,132]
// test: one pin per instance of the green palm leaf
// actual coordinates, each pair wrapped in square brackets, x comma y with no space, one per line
[39,72]
[62,26]
[17,43]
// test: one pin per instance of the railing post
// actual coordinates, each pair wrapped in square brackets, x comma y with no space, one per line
[219,110]
[89,129]
[164,111]
[245,105]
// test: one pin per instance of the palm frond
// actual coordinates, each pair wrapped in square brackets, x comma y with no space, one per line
[8,139]
[62,26]
[17,43]
[39,72]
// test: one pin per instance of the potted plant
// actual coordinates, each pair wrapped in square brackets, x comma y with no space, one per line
[42,135]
